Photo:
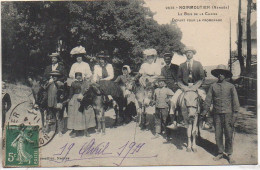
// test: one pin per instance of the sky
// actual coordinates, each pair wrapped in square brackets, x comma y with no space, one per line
[210,39]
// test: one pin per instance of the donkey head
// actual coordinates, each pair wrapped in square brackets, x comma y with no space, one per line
[191,101]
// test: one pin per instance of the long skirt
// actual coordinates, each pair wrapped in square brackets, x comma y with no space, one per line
[76,118]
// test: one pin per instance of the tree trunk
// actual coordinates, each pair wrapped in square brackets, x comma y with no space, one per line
[248,37]
[239,43]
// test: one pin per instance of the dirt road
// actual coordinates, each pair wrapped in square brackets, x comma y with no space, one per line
[129,146]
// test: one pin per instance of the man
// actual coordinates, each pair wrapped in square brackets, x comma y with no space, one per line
[225,101]
[103,70]
[190,76]
[55,66]
[170,71]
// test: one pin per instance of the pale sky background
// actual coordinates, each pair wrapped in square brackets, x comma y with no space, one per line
[210,39]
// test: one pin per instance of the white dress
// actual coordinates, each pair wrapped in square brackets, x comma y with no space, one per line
[82,67]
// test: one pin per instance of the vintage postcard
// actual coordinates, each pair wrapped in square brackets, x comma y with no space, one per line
[129,83]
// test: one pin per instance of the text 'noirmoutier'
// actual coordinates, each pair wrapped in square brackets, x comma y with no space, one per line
[197,7]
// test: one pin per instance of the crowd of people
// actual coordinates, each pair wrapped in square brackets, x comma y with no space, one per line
[168,80]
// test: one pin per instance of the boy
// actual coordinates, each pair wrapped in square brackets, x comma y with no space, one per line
[126,86]
[162,97]
[225,106]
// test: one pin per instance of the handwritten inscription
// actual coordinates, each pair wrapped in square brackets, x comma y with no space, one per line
[95,150]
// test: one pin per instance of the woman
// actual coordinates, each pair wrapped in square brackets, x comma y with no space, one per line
[22,155]
[149,70]
[80,65]
[79,120]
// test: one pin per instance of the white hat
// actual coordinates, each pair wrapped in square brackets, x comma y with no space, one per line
[150,52]
[127,67]
[78,50]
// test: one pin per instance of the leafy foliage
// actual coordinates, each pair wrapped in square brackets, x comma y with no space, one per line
[31,31]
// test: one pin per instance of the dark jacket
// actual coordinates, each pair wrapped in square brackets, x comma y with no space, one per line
[60,68]
[197,72]
[224,98]
[171,73]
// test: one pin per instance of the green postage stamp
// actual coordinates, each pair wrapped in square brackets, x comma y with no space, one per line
[21,147]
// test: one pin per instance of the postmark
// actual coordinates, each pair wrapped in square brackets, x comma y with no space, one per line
[22,114]
[22,146]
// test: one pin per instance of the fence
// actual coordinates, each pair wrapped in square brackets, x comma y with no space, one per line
[247,91]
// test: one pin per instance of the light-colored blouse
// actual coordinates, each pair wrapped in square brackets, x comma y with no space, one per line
[98,72]
[82,67]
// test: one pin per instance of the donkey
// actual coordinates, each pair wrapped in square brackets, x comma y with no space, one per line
[189,104]
[144,98]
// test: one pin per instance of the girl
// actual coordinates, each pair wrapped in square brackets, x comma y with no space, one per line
[76,118]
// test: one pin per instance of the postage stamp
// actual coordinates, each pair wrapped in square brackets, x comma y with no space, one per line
[21,147]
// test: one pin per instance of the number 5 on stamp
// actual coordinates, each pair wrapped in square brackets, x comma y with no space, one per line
[21,147]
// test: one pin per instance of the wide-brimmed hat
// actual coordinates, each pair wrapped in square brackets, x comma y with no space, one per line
[190,49]
[161,78]
[149,52]
[57,55]
[221,69]
[77,51]
[127,67]
[55,73]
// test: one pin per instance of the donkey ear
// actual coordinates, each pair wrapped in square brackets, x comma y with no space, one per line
[197,85]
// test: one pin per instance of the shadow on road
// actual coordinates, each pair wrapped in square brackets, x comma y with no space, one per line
[179,137]
[207,146]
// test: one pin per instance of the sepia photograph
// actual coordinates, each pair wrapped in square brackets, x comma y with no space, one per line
[127,83]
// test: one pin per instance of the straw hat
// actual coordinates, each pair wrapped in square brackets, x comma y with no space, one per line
[57,55]
[168,54]
[190,49]
[221,69]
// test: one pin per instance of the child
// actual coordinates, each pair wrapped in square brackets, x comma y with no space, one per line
[125,82]
[52,87]
[225,106]
[76,118]
[125,78]
[162,97]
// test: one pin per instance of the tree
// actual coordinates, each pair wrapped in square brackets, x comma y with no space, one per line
[239,43]
[122,28]
[248,37]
